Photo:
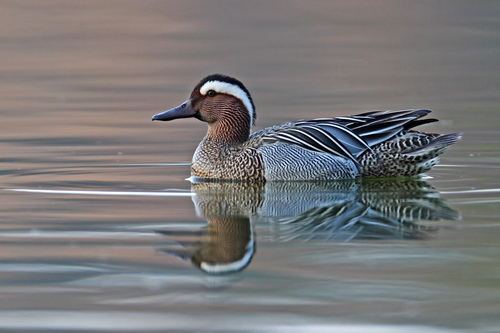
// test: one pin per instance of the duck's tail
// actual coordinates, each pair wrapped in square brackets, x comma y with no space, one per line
[407,154]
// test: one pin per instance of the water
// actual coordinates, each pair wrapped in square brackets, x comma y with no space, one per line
[100,231]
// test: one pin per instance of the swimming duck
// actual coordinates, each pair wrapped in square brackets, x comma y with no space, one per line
[377,144]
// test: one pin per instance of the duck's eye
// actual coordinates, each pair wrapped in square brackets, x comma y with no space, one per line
[211,93]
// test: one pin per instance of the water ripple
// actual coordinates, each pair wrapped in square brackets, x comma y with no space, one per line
[110,193]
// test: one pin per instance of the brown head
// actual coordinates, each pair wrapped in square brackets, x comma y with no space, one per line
[224,103]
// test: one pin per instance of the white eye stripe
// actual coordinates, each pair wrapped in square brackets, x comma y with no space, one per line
[230,89]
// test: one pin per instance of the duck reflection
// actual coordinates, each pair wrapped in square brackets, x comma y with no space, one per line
[340,210]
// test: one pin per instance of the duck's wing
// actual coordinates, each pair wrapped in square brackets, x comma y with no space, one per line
[347,136]
[321,137]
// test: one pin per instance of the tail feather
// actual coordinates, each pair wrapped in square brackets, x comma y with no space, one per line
[406,155]
[437,145]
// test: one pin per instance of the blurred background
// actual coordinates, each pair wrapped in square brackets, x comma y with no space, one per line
[79,82]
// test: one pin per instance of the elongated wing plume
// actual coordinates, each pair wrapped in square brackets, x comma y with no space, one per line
[349,136]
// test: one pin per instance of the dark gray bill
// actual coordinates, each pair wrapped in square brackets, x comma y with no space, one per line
[185,110]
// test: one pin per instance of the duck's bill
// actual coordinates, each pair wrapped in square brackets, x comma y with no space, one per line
[185,110]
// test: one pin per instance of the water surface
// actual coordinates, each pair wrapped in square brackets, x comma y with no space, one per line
[101,231]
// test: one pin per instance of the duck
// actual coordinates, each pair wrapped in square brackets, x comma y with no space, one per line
[375,144]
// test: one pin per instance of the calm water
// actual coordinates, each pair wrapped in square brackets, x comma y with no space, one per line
[100,231]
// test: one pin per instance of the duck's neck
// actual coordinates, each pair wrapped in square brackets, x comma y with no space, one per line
[232,129]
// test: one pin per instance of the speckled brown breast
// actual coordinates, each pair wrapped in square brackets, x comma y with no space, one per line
[213,160]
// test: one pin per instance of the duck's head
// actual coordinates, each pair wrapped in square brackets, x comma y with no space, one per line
[221,101]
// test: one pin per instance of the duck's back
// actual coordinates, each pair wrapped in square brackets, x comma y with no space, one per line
[374,144]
